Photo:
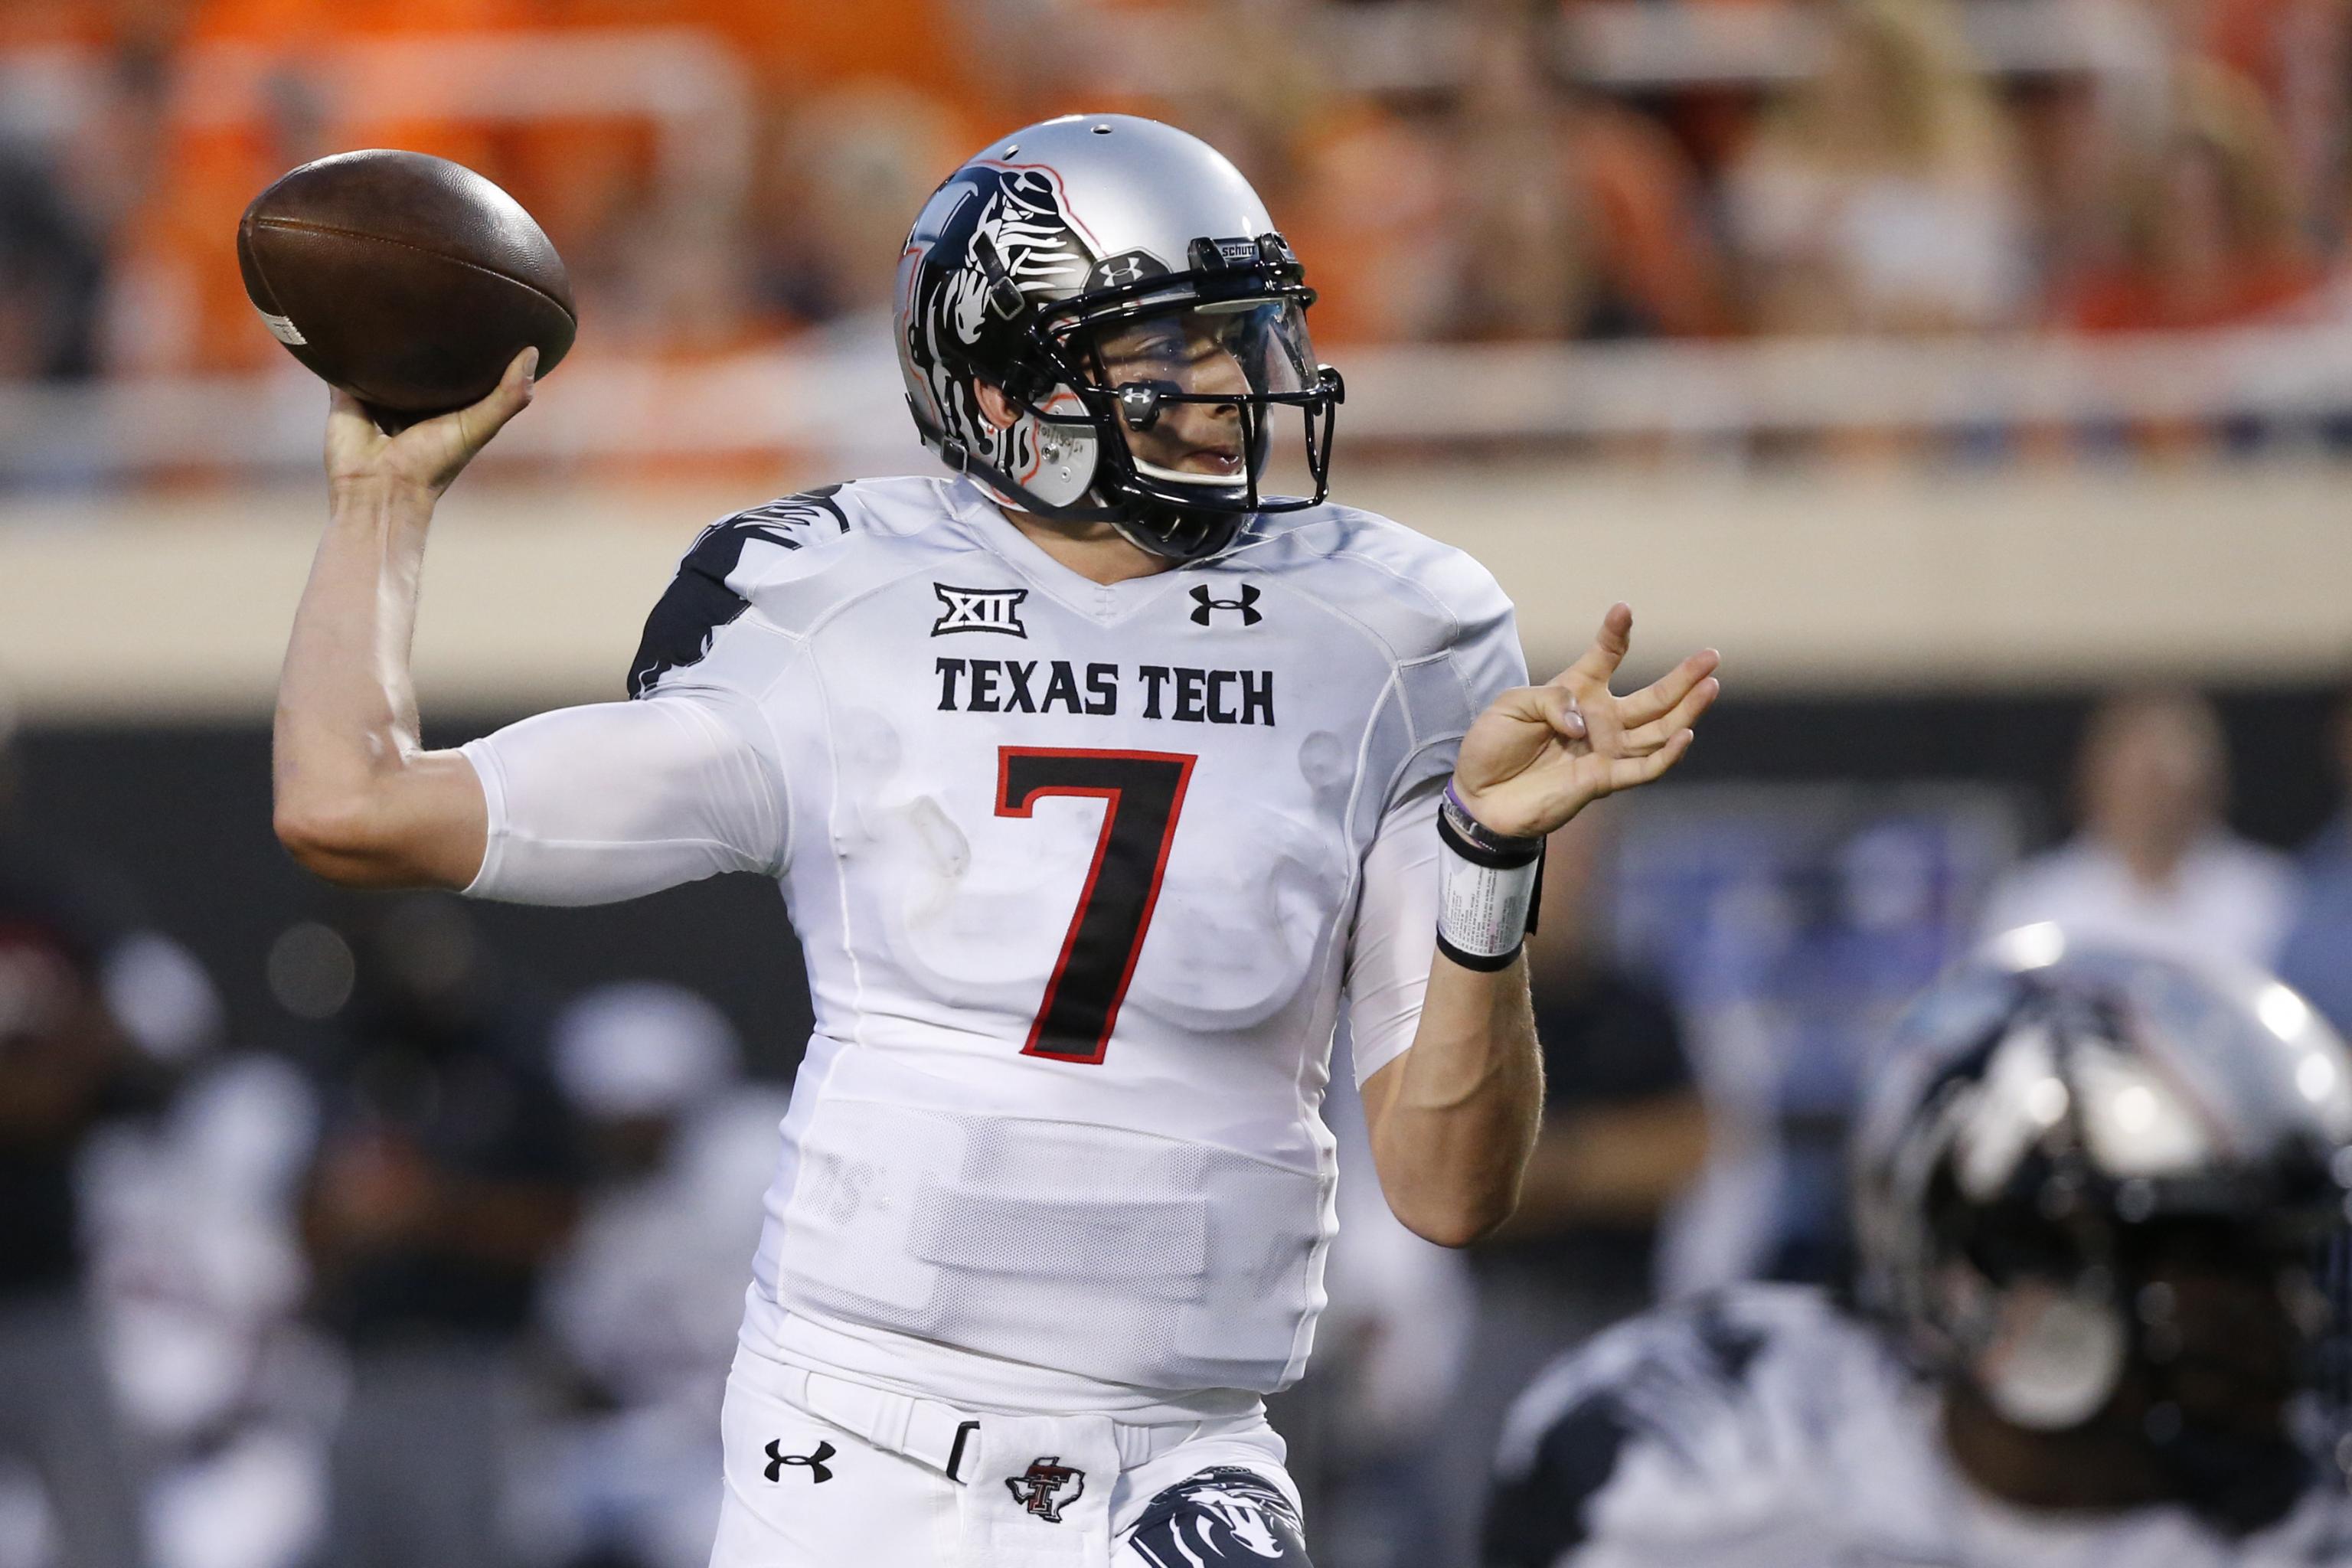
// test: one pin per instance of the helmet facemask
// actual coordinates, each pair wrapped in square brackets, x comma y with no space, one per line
[1154,404]
[1194,393]
[2194,1338]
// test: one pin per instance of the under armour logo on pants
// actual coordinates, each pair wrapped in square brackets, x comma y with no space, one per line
[777,1460]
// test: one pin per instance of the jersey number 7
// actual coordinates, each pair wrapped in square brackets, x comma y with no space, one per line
[1142,792]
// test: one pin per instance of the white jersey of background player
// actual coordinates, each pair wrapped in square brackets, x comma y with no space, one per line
[2089,1198]
[1101,786]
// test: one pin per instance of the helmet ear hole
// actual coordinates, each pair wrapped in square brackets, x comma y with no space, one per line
[996,404]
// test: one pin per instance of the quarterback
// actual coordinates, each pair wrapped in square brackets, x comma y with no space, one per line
[1102,786]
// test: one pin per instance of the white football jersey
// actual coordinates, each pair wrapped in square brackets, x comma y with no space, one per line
[1082,874]
[1763,1426]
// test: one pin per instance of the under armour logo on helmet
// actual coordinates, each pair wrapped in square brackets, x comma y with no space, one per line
[1204,607]
[818,1473]
[1124,271]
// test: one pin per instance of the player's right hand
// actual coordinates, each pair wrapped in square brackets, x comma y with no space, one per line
[430,454]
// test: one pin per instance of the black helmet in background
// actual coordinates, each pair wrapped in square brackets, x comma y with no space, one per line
[2101,1186]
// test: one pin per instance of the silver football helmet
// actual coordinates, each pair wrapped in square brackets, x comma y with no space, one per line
[2076,1152]
[1098,319]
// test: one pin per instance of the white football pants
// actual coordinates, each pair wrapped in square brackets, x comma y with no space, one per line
[823,1472]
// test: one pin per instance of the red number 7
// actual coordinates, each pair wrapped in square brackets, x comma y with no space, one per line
[1142,792]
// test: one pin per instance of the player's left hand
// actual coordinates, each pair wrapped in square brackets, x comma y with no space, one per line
[1540,755]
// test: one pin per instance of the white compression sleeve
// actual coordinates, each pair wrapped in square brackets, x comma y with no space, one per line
[591,805]
[1395,937]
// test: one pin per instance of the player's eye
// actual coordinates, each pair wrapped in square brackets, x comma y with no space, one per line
[1167,338]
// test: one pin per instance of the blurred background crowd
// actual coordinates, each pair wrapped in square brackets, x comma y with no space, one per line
[1976,373]
[722,177]
[1476,170]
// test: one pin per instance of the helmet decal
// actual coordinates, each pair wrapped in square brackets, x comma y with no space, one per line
[1018,217]
[1027,218]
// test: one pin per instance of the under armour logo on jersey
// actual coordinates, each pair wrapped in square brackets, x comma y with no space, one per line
[979,610]
[1204,607]
[1038,1488]
[818,1473]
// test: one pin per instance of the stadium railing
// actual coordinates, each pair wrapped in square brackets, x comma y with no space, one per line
[840,405]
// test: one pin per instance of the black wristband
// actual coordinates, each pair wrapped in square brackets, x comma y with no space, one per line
[1477,843]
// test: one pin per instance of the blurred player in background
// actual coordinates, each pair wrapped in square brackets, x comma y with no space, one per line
[2089,1193]
[626,1472]
[99,1016]
[446,1178]
[60,1052]
[1056,1197]
[2155,864]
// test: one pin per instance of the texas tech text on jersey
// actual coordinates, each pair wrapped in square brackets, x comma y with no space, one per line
[1190,696]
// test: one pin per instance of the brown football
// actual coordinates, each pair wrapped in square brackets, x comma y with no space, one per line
[407,281]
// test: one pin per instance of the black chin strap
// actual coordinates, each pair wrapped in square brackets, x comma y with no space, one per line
[1185,536]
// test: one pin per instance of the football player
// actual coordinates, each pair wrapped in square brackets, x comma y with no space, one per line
[2090,1193]
[1102,785]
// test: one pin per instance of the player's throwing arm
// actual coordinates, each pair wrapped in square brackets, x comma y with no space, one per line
[1453,1120]
[358,798]
[430,299]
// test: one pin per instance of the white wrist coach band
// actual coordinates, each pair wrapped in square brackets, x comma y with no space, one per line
[1487,888]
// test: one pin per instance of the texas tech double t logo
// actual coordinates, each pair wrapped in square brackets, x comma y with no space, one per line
[1038,1489]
